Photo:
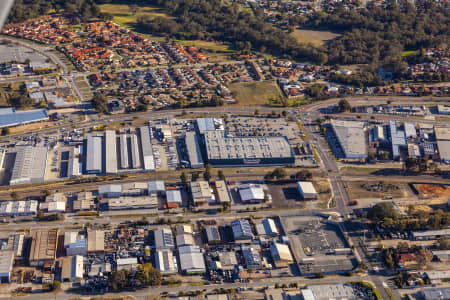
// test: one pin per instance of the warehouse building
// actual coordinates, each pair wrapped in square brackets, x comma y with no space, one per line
[43,247]
[127,202]
[29,165]
[251,193]
[165,262]
[94,154]
[209,124]
[135,155]
[84,201]
[148,159]
[398,139]
[74,244]
[73,168]
[443,109]
[193,150]
[443,143]
[281,255]
[164,239]
[252,258]
[110,190]
[430,234]
[212,234]
[307,190]
[184,239]
[96,241]
[6,265]
[330,291]
[10,117]
[436,293]
[110,152]
[72,269]
[201,193]
[269,226]
[16,243]
[350,137]
[157,187]
[224,150]
[54,203]
[124,163]
[18,208]
[173,198]
[241,230]
[191,260]
[180,229]
[223,195]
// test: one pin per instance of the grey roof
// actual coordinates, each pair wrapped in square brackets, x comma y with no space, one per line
[124,152]
[109,188]
[191,259]
[205,124]
[6,261]
[146,145]
[173,196]
[29,165]
[212,233]
[336,291]
[11,117]
[164,239]
[444,150]
[220,146]
[156,186]
[135,158]
[94,154]
[193,149]
[351,138]
[110,152]
[436,293]
[241,229]
[398,138]
[252,257]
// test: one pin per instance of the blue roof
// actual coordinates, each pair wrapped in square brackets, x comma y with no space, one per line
[11,117]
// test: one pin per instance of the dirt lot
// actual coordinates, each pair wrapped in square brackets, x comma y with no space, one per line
[433,190]
[30,127]
[364,189]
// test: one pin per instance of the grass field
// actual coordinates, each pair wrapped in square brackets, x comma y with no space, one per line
[409,53]
[255,93]
[356,190]
[315,37]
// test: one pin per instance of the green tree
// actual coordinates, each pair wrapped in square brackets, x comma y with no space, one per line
[5,131]
[147,275]
[382,210]
[344,106]
[221,175]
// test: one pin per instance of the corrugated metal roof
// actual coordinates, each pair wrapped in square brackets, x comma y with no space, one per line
[94,154]
[11,117]
[111,152]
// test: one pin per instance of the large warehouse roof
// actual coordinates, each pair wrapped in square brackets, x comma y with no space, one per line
[444,150]
[135,157]
[110,152]
[147,151]
[193,149]
[96,240]
[124,152]
[29,165]
[351,138]
[11,117]
[94,154]
[220,146]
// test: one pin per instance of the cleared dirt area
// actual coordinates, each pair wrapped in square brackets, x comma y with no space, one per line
[364,189]
[315,37]
[433,190]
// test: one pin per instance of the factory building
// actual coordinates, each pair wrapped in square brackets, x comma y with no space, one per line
[184,239]
[350,137]
[165,262]
[398,139]
[29,165]
[148,159]
[72,268]
[74,244]
[223,195]
[73,168]
[213,234]
[173,198]
[251,193]
[6,265]
[94,154]
[241,230]
[224,150]
[124,164]
[201,193]
[18,208]
[10,117]
[252,258]
[43,247]
[307,190]
[157,187]
[164,239]
[96,241]
[269,226]
[209,124]
[443,143]
[110,190]
[110,152]
[135,155]
[193,150]
[329,291]
[16,243]
[191,260]
[281,255]
[127,202]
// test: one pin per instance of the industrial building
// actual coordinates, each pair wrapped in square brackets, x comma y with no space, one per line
[16,243]
[443,109]
[110,152]
[209,124]
[212,234]
[269,227]
[191,260]
[201,193]
[72,269]
[93,154]
[173,198]
[436,293]
[165,262]
[74,244]
[124,163]
[329,291]
[223,195]
[443,143]
[84,201]
[398,139]
[73,168]
[157,187]
[281,255]
[18,208]
[164,239]
[241,230]
[137,202]
[110,190]
[252,258]
[184,239]
[6,265]
[351,138]
[29,165]
[307,190]
[43,247]
[10,117]
[224,150]
[251,193]
[96,241]
[430,234]
[54,203]
[193,150]
[135,155]
[148,160]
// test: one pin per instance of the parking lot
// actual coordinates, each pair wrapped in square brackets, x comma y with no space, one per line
[14,52]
